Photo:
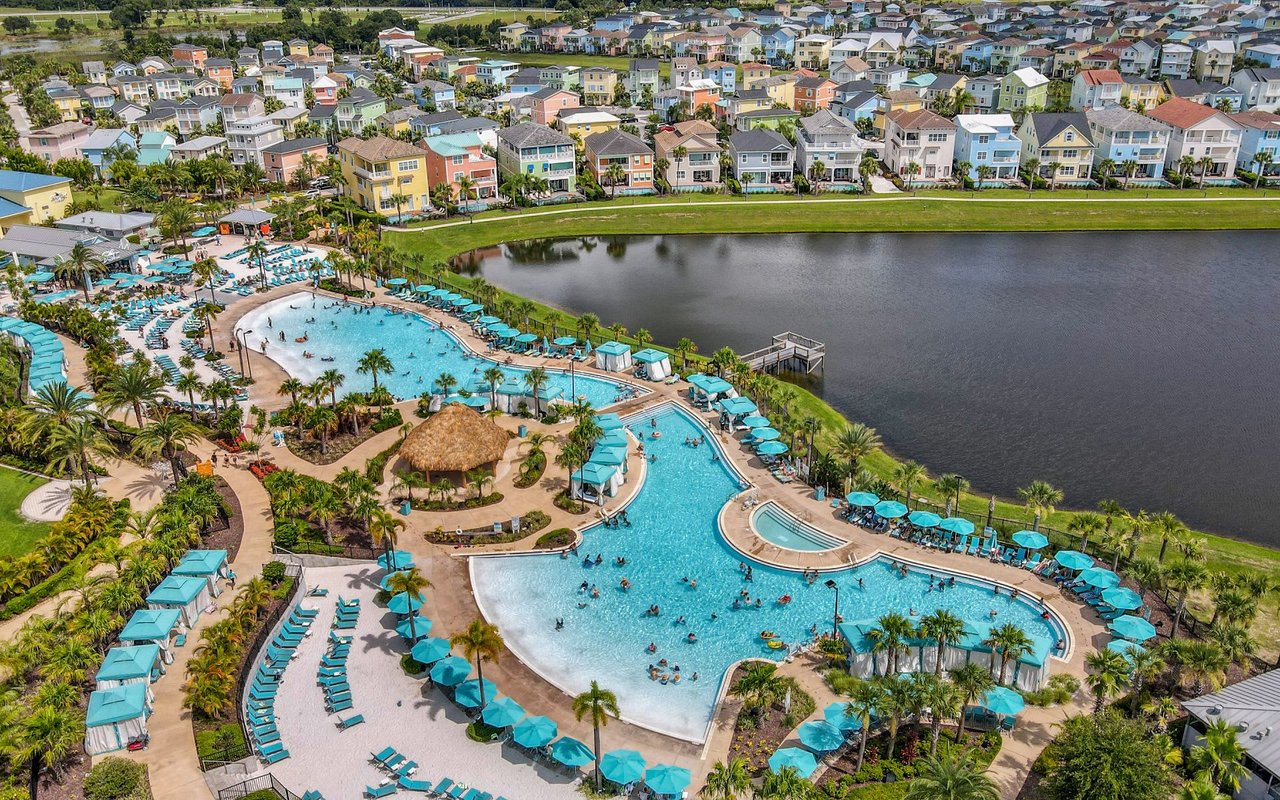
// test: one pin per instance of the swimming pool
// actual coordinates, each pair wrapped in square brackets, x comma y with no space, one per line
[419,349]
[777,526]
[674,536]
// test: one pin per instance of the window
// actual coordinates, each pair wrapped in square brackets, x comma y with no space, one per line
[937,137]
[981,155]
[983,139]
[1069,136]
[407,166]
[1070,153]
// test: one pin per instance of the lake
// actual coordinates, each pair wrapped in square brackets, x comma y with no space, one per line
[1134,366]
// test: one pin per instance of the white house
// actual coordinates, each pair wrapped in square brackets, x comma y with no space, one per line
[1199,132]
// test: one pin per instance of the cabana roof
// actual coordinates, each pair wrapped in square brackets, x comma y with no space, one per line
[456,439]
[649,356]
[614,349]
[248,216]
[150,623]
[201,562]
[608,422]
[109,706]
[123,663]
[177,590]
[594,474]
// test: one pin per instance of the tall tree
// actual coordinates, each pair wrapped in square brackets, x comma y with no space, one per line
[599,704]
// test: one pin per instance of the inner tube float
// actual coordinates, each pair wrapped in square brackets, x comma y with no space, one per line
[767,635]
[786,598]
[776,644]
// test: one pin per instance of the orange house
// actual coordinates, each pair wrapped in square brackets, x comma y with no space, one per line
[451,157]
[185,51]
[813,94]
[699,92]
[220,71]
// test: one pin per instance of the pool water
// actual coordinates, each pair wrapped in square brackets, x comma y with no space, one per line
[775,525]
[674,536]
[419,349]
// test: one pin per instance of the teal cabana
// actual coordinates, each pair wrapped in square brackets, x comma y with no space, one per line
[614,438]
[609,457]
[709,387]
[208,564]
[189,595]
[115,717]
[609,422]
[511,393]
[132,664]
[153,626]
[655,363]
[593,482]
[613,357]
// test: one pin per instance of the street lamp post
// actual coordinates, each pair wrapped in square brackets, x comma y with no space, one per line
[244,336]
[835,615]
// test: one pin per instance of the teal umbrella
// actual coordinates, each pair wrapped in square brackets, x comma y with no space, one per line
[122,276]
[1131,627]
[772,449]
[891,509]
[527,338]
[1125,648]
[564,341]
[1100,578]
[184,264]
[430,650]
[1123,598]
[403,604]
[571,752]
[534,732]
[439,293]
[1072,559]
[397,282]
[400,559]
[1032,540]
[503,333]
[451,671]
[755,421]
[472,308]
[1003,701]
[765,434]
[862,499]
[622,766]
[924,519]
[502,712]
[957,525]
[424,288]
[38,277]
[420,628]
[666,779]
[460,302]
[837,714]
[802,761]
[468,692]
[488,320]
[820,736]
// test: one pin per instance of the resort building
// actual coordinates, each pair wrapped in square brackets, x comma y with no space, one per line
[528,149]
[832,141]
[1260,88]
[43,246]
[988,140]
[762,160]
[453,442]
[1127,137]
[1201,133]
[108,225]
[1252,708]
[201,147]
[378,171]
[699,167]
[248,138]
[62,140]
[1061,141]
[452,157]
[30,198]
[626,150]
[286,162]
[919,145]
[1259,133]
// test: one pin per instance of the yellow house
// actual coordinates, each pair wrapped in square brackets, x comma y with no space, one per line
[598,85]
[898,100]
[781,89]
[1061,143]
[753,74]
[813,51]
[30,198]
[1138,89]
[299,47]
[69,104]
[510,35]
[579,124]
[377,170]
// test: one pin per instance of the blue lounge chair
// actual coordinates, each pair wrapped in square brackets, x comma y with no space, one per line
[443,787]
[267,738]
[276,757]
[350,722]
[334,706]
[382,755]
[303,611]
[410,785]
[457,791]
[380,791]
[406,769]
[312,795]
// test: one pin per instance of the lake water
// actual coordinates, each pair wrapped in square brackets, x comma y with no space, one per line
[1134,366]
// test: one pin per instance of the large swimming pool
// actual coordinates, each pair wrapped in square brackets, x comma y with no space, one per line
[674,537]
[419,349]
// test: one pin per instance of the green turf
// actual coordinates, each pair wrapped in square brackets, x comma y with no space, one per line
[19,535]
[620,63]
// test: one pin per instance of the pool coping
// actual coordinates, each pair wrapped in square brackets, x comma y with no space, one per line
[751,518]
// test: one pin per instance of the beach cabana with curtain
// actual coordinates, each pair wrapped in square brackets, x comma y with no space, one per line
[208,564]
[153,626]
[134,664]
[115,716]
[655,362]
[454,442]
[593,482]
[188,594]
[1031,671]
[864,662]
[613,357]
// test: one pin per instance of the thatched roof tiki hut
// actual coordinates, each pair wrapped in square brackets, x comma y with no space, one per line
[455,441]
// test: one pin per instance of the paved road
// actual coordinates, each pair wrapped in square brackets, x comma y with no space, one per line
[21,122]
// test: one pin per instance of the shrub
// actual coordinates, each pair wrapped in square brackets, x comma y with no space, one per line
[116,778]
[273,572]
[535,520]
[870,773]
[390,419]
[410,665]
[286,534]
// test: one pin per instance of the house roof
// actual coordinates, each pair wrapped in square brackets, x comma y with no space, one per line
[296,145]
[103,138]
[200,143]
[924,119]
[823,121]
[1030,76]
[379,148]
[1259,120]
[239,100]
[1182,113]
[1119,118]
[60,129]
[616,142]
[758,139]
[527,134]
[1099,77]
[1252,707]
[984,123]
[11,181]
[1048,124]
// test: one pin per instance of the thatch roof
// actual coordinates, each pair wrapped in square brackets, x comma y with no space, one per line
[456,439]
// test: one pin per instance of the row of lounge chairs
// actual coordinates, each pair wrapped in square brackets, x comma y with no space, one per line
[331,675]
[400,770]
[261,702]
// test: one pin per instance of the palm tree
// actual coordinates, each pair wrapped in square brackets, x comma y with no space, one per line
[44,739]
[445,381]
[856,442]
[599,704]
[952,487]
[1262,158]
[166,438]
[385,528]
[679,153]
[534,380]
[1108,674]
[1220,757]
[322,420]
[1086,523]
[1032,166]
[206,314]
[726,781]
[72,446]
[1105,169]
[1144,666]
[889,636]
[953,776]
[1169,527]
[1184,578]
[332,380]
[132,386]
[373,362]
[1054,168]
[1200,789]
[943,701]
[1011,642]
[1206,166]
[906,475]
[53,405]
[481,642]
[466,186]
[494,377]
[942,626]
[973,681]
[411,582]
[257,252]
[758,687]
[1128,168]
[80,264]
[895,702]
[864,704]
[614,174]
[1040,498]
[685,346]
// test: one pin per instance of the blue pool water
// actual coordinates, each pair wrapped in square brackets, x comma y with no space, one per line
[347,332]
[775,525]
[674,536]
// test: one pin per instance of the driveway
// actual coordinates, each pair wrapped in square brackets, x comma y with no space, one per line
[21,122]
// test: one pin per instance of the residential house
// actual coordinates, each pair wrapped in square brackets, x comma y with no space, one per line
[272,51]
[299,47]
[97,97]
[599,85]
[643,74]
[1201,133]
[1212,60]
[1250,708]
[988,140]
[166,86]
[889,76]
[1096,88]
[1130,140]
[813,51]
[452,157]
[1006,53]
[781,88]
[162,116]
[62,140]
[397,120]
[33,199]
[1141,57]
[95,72]
[579,123]
[196,54]
[546,104]
[221,71]
[723,73]
[560,76]
[761,159]
[813,94]
[1266,54]
[832,141]
[1175,60]
[771,118]
[1061,143]
[1023,89]
[985,91]
[754,74]
[432,94]
[289,91]
[1259,133]
[944,89]
[380,170]
[530,149]
[237,107]
[901,100]
[1141,92]
[919,145]
[154,147]
[697,93]
[357,110]
[247,139]
[325,91]
[526,81]
[851,69]
[100,145]
[682,71]
[69,103]
[199,148]
[289,161]
[496,72]
[778,45]
[606,149]
[699,166]
[133,89]
[196,114]
[1259,87]
[857,106]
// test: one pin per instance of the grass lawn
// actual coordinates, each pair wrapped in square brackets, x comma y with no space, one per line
[698,214]
[20,535]
[620,63]
[109,198]
[449,17]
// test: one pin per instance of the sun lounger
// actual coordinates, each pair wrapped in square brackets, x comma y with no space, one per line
[344,625]
[350,722]
[267,738]
[385,790]
[472,794]
[334,706]
[276,757]
[974,545]
[457,791]
[382,755]
[343,603]
[270,747]
[303,611]
[406,769]
[410,785]
[329,681]
[443,787]
[394,761]
[312,795]
[318,591]
[338,691]
[1034,562]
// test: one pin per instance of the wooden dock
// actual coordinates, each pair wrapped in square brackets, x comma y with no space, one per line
[788,351]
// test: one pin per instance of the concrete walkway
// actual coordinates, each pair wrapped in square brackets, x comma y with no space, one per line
[47,503]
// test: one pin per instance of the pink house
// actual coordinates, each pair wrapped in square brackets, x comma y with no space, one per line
[458,155]
[325,90]
[282,161]
[546,104]
[59,141]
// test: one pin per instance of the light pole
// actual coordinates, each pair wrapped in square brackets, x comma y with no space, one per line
[244,335]
[835,615]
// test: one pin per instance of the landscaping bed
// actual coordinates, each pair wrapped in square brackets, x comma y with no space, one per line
[557,539]
[758,736]
[564,502]
[226,537]
[530,524]
[458,505]
[340,444]
[531,470]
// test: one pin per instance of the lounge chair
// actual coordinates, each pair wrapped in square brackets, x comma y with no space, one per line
[318,591]
[312,795]
[443,787]
[1033,563]
[410,785]
[350,722]
[386,790]
[276,757]
[267,738]
[406,769]
[381,756]
[334,706]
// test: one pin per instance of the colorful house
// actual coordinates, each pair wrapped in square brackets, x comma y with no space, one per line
[285,162]
[919,145]
[988,140]
[700,165]
[30,198]
[529,149]
[452,157]
[1023,89]
[1129,139]
[761,160]
[1201,133]
[62,140]
[378,171]
[619,148]
[1061,143]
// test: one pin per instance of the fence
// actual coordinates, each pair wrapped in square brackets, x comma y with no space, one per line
[257,783]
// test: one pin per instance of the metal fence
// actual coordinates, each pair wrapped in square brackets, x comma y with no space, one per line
[257,783]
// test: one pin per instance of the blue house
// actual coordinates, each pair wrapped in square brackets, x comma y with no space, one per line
[1126,136]
[859,105]
[724,74]
[526,81]
[93,149]
[154,147]
[976,56]
[778,44]
[988,140]
[1260,132]
[614,22]
[435,93]
[770,16]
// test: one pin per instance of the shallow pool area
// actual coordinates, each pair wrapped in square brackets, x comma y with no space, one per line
[778,527]
[337,334]
[676,559]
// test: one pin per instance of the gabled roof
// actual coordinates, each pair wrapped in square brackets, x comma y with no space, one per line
[1119,118]
[1182,113]
[379,148]
[1048,125]
[824,121]
[103,138]
[1099,77]
[11,181]
[616,142]
[758,140]
[527,134]
[1259,120]
[924,119]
